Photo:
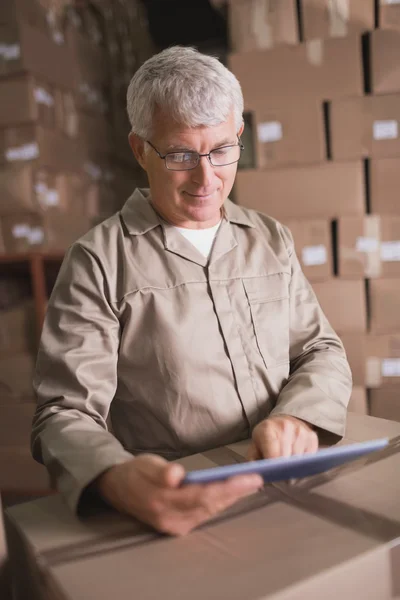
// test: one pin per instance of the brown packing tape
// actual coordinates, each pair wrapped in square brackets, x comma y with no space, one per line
[366,249]
[315,52]
[372,229]
[377,527]
[373,372]
[261,22]
[224,456]
[339,13]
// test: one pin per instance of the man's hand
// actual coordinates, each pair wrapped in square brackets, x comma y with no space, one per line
[282,435]
[148,488]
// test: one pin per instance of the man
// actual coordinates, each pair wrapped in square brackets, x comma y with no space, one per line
[185,316]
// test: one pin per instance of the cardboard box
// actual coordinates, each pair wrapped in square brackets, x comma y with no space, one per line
[383,360]
[385,69]
[369,246]
[290,134]
[358,401]
[90,59]
[25,188]
[384,186]
[344,303]
[16,375]
[259,24]
[313,246]
[29,11]
[389,14]
[365,127]
[349,518]
[325,191]
[94,98]
[355,345]
[27,49]
[384,295]
[25,99]
[20,473]
[385,403]
[95,133]
[52,230]
[316,68]
[18,329]
[39,146]
[336,18]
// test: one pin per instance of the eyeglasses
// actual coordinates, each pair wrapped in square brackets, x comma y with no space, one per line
[185,161]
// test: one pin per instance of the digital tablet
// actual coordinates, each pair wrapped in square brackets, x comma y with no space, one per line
[293,467]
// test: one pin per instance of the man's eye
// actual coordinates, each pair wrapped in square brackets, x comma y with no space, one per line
[182,157]
[221,151]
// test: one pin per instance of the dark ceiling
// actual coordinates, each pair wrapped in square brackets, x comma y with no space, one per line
[186,22]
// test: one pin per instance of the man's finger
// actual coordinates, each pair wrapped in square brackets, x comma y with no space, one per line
[173,475]
[218,497]
[214,495]
[269,443]
[253,453]
[300,441]
[287,439]
[312,442]
[155,469]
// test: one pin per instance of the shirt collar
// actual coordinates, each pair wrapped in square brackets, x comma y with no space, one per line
[140,217]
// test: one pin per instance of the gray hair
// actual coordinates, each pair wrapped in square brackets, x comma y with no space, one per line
[193,88]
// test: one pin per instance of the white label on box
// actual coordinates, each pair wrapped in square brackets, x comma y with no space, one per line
[10,51]
[270,131]
[391,367]
[36,235]
[314,255]
[366,244]
[40,188]
[58,37]
[391,2]
[42,96]
[390,251]
[52,198]
[93,170]
[385,130]
[25,152]
[21,231]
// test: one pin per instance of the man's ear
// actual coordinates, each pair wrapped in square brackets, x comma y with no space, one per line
[137,145]
[241,129]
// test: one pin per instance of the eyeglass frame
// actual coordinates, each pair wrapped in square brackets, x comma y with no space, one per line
[207,154]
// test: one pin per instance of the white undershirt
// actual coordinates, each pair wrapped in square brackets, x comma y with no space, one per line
[202,239]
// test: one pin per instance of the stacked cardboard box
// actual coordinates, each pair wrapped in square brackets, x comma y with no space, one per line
[65,161]
[323,157]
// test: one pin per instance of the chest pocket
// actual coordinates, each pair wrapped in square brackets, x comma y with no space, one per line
[268,299]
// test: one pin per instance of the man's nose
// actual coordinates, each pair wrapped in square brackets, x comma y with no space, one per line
[204,172]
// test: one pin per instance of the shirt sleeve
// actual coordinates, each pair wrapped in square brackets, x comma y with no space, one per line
[320,382]
[76,378]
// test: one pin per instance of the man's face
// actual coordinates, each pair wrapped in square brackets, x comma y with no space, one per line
[193,198]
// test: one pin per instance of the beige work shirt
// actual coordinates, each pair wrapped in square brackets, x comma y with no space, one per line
[185,353]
